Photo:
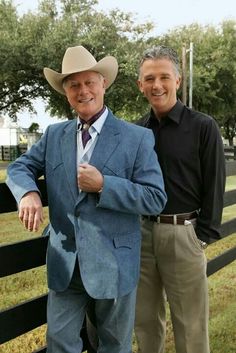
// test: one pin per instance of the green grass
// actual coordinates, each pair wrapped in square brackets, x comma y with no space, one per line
[230,183]
[12,230]
[3,174]
[23,286]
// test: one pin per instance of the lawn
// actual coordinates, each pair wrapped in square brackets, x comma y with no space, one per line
[20,287]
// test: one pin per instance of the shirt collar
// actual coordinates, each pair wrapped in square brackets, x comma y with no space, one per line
[174,114]
[98,124]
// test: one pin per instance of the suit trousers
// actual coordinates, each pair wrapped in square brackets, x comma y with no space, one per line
[66,312]
[173,267]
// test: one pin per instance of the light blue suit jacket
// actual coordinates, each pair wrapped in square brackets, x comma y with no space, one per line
[103,232]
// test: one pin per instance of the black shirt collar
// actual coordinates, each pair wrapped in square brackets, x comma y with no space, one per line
[175,114]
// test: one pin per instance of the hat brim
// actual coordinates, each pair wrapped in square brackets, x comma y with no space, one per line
[107,67]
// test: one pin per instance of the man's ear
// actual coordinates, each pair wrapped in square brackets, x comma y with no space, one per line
[104,83]
[178,82]
[139,84]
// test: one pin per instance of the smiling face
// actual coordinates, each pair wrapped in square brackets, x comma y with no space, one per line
[159,82]
[85,93]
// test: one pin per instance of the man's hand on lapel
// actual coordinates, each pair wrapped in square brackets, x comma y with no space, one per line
[89,178]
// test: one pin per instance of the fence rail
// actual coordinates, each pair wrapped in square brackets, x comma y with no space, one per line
[10,153]
[230,152]
[31,253]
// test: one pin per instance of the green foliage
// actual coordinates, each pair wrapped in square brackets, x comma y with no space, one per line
[214,70]
[34,127]
[37,40]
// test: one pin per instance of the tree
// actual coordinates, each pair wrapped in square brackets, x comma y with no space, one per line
[225,79]
[20,73]
[39,40]
[34,127]
[214,70]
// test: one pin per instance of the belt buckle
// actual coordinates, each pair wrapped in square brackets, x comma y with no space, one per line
[187,222]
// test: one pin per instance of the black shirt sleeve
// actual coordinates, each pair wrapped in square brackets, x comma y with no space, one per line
[213,181]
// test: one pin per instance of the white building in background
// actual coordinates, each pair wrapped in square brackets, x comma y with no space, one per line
[11,134]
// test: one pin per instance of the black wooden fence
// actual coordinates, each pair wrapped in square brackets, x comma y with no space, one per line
[10,153]
[230,153]
[29,254]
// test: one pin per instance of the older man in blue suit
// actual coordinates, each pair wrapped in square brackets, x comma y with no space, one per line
[101,174]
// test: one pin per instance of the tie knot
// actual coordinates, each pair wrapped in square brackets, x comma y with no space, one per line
[85,126]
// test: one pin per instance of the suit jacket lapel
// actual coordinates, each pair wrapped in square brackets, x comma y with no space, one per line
[69,155]
[108,139]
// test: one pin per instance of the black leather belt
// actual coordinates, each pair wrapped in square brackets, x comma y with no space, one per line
[173,219]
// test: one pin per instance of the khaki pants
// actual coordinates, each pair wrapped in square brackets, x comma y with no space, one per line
[173,266]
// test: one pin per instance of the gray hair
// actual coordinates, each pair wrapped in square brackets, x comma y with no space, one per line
[161,52]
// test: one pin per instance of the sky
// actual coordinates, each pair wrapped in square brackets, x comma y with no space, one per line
[166,15]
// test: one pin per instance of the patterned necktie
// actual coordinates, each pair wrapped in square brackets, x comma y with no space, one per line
[86,125]
[85,134]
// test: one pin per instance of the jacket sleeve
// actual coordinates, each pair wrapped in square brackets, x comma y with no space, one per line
[23,173]
[144,192]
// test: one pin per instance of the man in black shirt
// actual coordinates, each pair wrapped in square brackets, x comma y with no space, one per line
[173,263]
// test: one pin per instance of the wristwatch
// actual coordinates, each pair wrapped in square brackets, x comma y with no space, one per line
[203,244]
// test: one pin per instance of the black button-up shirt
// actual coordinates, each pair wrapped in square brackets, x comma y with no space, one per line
[191,155]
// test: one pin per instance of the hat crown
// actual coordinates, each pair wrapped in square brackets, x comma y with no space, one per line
[77,59]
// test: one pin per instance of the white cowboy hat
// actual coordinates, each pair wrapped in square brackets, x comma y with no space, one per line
[78,59]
